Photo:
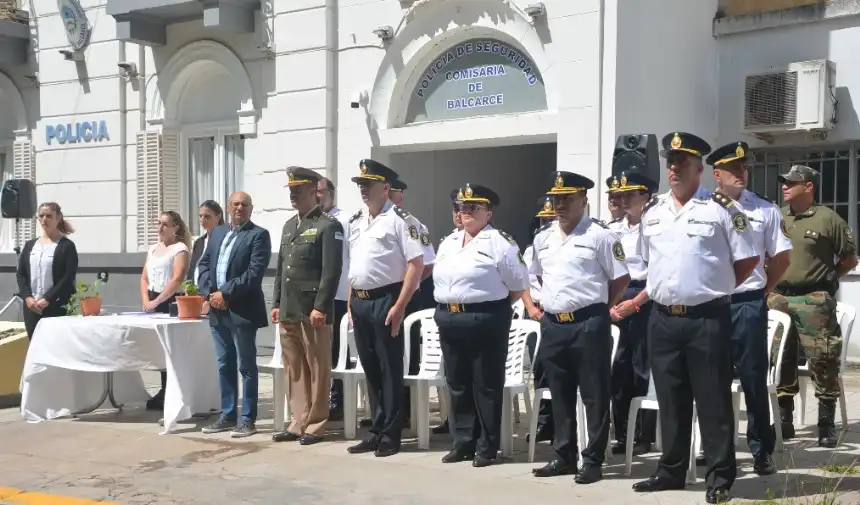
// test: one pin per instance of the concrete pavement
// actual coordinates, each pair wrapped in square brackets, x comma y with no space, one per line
[120,458]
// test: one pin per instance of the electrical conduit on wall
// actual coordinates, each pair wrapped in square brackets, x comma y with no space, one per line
[123,154]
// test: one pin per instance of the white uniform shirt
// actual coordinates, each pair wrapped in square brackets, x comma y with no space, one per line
[768,235]
[429,253]
[486,269]
[534,282]
[691,252]
[630,237]
[380,248]
[343,284]
[576,270]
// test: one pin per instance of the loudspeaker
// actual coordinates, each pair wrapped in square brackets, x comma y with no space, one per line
[18,199]
[637,152]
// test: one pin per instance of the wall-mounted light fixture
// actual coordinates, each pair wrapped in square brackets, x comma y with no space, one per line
[69,55]
[128,69]
[536,10]
[385,33]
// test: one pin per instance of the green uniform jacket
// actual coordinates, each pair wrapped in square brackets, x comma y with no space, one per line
[819,239]
[310,261]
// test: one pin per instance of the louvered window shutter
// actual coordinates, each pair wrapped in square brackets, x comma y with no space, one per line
[24,167]
[157,182]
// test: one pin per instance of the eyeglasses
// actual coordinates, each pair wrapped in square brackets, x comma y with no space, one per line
[472,207]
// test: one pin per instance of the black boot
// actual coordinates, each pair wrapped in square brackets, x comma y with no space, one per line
[826,424]
[786,416]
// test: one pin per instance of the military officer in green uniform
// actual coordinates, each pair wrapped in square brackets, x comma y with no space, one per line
[823,251]
[306,280]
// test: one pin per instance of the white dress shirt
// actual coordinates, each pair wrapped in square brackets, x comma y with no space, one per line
[534,282]
[159,268]
[41,268]
[343,284]
[576,270]
[380,248]
[691,251]
[630,236]
[768,236]
[429,252]
[486,269]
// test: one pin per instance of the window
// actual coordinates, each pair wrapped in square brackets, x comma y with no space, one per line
[213,167]
[836,164]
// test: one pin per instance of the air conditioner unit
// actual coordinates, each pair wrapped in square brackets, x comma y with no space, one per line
[799,97]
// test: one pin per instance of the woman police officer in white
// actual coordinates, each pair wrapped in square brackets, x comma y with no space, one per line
[479,273]
[581,264]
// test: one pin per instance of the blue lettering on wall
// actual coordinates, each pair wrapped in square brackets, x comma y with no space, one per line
[476,101]
[85,131]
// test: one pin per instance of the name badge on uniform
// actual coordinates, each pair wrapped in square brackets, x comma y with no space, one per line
[312,232]
[652,222]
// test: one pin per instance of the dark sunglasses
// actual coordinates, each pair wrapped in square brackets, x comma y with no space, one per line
[472,207]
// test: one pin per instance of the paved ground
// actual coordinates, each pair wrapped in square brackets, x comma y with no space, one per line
[120,458]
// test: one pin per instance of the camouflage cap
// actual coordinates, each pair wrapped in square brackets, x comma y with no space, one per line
[799,173]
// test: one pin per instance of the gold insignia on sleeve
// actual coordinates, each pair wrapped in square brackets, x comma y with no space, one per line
[559,181]
[784,229]
[739,152]
[413,232]
[618,251]
[740,222]
[676,141]
[425,240]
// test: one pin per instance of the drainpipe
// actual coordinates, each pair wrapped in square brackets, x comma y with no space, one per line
[123,158]
[141,89]
[334,87]
[600,48]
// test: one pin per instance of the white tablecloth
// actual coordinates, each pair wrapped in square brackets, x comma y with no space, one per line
[58,377]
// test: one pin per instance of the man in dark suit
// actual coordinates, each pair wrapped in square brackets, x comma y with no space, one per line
[310,260]
[231,278]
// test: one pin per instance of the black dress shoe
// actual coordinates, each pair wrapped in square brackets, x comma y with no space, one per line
[655,483]
[285,436]
[588,474]
[458,455]
[441,429]
[308,439]
[763,465]
[365,422]
[717,495]
[619,448]
[555,468]
[386,449]
[701,461]
[367,445]
[481,462]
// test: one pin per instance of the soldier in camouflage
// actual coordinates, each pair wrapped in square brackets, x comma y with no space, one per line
[823,251]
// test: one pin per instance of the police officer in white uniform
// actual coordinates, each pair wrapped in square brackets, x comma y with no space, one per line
[698,251]
[630,371]
[386,261]
[479,274]
[749,301]
[581,265]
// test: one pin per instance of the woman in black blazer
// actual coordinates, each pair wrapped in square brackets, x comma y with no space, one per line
[211,215]
[46,268]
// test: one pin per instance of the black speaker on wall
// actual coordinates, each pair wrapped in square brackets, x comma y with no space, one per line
[18,199]
[637,152]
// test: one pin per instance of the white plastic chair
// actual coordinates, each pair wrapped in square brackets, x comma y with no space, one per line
[544,394]
[275,366]
[515,383]
[519,309]
[351,378]
[845,315]
[430,374]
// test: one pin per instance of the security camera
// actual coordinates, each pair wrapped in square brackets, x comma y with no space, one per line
[129,69]
[72,55]
[358,97]
[385,33]
[535,10]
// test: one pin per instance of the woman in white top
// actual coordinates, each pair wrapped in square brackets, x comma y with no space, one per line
[165,268]
[46,268]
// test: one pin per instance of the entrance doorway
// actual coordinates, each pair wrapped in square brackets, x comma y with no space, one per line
[214,168]
[519,174]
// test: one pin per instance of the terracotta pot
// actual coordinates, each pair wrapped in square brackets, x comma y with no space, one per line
[189,307]
[91,305]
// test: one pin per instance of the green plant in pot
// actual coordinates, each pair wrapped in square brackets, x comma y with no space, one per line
[86,300]
[190,303]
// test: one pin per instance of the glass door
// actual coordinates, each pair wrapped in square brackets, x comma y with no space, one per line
[201,180]
[214,168]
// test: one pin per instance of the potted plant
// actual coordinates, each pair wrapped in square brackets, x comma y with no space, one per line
[86,300]
[190,304]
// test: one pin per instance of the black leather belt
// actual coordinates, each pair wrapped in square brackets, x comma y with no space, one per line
[748,296]
[636,284]
[804,289]
[580,315]
[481,307]
[703,309]
[376,293]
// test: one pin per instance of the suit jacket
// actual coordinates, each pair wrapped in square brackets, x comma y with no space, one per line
[310,261]
[196,253]
[243,291]
[63,273]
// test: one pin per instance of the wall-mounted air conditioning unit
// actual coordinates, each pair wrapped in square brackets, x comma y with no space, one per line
[796,98]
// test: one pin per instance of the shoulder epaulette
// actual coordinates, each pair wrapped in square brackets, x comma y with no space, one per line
[401,212]
[507,236]
[599,223]
[724,201]
[328,216]
[650,203]
[355,217]
[740,222]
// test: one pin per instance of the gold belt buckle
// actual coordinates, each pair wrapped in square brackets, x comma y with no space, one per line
[364,295]
[677,310]
[456,307]
[565,317]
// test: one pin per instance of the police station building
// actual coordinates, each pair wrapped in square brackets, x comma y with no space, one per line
[117,109]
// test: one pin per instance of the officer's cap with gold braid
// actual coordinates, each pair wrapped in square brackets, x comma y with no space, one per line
[685,142]
[736,151]
[568,183]
[546,209]
[398,185]
[374,171]
[454,193]
[296,176]
[475,193]
[632,181]
[612,184]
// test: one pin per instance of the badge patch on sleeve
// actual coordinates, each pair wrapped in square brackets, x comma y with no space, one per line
[784,229]
[739,222]
[425,240]
[618,251]
[338,235]
[413,232]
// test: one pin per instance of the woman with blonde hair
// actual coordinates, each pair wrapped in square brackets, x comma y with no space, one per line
[46,268]
[166,266]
